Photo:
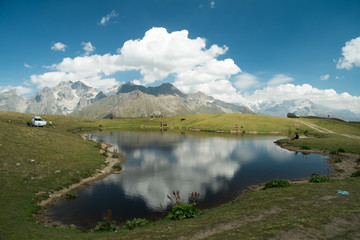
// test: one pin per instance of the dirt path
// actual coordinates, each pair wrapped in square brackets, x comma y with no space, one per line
[325,130]
[221,227]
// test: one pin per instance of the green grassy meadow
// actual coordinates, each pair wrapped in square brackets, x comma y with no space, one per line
[35,162]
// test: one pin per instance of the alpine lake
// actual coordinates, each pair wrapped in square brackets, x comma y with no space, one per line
[218,166]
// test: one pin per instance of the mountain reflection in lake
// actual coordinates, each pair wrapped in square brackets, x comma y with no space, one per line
[218,167]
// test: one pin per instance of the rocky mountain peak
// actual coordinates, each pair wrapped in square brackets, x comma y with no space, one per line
[163,89]
[11,101]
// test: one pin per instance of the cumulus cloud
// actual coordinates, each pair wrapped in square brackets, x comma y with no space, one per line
[157,55]
[88,47]
[324,77]
[279,79]
[19,89]
[245,81]
[194,67]
[212,4]
[104,20]
[58,47]
[327,97]
[350,55]
[51,79]
[27,65]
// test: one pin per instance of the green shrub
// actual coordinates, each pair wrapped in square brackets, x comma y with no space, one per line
[338,160]
[358,160]
[70,195]
[276,183]
[136,222]
[115,156]
[117,167]
[105,154]
[181,210]
[316,178]
[339,150]
[108,224]
[305,148]
[356,174]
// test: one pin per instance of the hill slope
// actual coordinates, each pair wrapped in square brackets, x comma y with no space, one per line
[166,100]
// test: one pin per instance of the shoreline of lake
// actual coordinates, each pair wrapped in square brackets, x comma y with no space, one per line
[54,198]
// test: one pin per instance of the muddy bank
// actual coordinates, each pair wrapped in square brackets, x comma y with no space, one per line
[342,169]
[56,197]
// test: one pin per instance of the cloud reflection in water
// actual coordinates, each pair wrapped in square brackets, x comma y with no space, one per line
[159,163]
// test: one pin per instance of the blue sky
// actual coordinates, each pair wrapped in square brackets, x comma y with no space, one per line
[235,50]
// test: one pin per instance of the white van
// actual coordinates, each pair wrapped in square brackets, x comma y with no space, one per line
[36,121]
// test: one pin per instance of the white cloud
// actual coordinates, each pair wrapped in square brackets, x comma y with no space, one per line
[58,47]
[245,81]
[194,66]
[324,77]
[351,55]
[19,89]
[104,20]
[88,47]
[212,4]
[157,55]
[327,97]
[51,79]
[27,65]
[279,79]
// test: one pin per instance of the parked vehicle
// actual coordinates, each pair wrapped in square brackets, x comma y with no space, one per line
[36,121]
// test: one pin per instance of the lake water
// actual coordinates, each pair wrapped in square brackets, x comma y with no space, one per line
[219,167]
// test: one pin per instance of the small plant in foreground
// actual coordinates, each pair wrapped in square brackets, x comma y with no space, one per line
[355,174]
[276,183]
[115,156]
[358,161]
[136,222]
[316,178]
[70,195]
[108,225]
[338,160]
[117,167]
[339,150]
[105,154]
[305,148]
[181,210]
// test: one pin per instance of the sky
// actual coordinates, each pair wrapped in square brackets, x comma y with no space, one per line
[238,51]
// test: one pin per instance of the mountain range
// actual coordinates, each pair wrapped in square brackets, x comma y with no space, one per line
[131,100]
[124,100]
[302,108]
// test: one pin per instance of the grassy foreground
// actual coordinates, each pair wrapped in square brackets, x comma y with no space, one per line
[34,162]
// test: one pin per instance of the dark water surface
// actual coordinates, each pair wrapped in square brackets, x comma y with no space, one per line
[217,166]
